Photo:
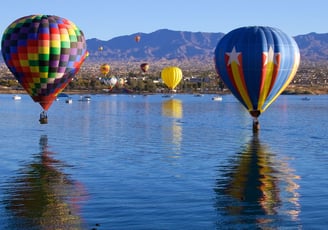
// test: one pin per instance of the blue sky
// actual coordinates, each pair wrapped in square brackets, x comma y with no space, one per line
[106,19]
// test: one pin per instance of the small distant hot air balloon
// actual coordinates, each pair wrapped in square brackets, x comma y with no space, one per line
[110,81]
[257,63]
[137,38]
[171,76]
[144,67]
[100,48]
[104,69]
[43,52]
[120,82]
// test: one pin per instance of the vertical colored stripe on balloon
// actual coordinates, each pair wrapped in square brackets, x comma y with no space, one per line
[289,79]
[267,78]
[238,76]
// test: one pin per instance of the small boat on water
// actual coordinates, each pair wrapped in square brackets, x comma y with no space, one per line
[305,98]
[17,97]
[69,100]
[85,98]
[217,98]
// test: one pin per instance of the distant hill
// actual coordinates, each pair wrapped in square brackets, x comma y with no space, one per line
[313,47]
[167,44]
[161,44]
[180,45]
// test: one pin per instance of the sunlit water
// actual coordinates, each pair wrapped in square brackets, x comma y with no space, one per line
[148,162]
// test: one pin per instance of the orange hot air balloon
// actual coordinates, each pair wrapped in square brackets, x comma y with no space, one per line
[137,38]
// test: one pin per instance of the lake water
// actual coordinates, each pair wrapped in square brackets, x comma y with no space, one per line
[148,162]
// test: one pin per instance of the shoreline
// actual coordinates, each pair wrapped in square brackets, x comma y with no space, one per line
[290,90]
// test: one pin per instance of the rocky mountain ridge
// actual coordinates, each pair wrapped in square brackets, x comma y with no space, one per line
[167,44]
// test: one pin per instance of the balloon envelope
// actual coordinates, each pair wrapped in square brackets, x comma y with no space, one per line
[171,76]
[144,67]
[110,81]
[104,69]
[120,82]
[44,53]
[137,38]
[256,64]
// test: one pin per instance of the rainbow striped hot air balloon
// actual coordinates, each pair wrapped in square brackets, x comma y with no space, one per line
[44,53]
[257,63]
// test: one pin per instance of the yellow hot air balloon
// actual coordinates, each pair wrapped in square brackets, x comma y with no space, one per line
[171,76]
[104,69]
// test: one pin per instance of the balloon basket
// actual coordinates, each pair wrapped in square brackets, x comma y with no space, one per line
[43,120]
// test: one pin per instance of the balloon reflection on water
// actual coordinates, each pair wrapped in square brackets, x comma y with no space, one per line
[257,188]
[43,197]
[173,108]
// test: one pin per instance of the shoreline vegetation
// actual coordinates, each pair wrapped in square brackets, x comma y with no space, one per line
[311,79]
[290,90]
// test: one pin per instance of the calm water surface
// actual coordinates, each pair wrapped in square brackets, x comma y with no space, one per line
[148,162]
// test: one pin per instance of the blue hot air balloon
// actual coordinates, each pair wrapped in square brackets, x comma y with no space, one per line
[256,63]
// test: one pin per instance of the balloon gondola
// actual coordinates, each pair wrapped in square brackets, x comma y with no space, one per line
[256,63]
[44,53]
[43,118]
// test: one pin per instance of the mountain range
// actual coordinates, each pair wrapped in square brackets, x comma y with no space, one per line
[167,44]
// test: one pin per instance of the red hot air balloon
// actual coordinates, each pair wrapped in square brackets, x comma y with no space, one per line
[257,63]
[144,67]
[44,53]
